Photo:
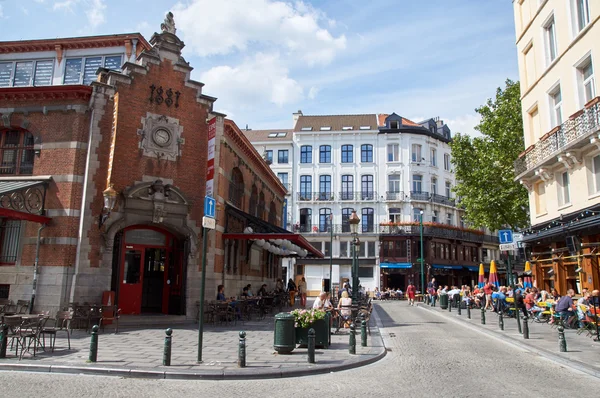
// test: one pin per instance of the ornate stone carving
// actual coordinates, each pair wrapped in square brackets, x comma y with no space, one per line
[168,26]
[161,136]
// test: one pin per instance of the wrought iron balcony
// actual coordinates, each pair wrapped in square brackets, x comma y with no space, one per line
[419,195]
[577,132]
[437,232]
[394,195]
[315,196]
[359,195]
[442,199]
[326,229]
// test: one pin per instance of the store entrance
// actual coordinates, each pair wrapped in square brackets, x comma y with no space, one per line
[395,281]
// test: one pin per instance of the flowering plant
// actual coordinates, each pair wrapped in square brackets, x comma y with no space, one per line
[305,318]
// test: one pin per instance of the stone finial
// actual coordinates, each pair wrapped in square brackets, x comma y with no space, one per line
[168,26]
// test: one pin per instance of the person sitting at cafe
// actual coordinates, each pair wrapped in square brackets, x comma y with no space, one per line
[263,290]
[245,292]
[249,290]
[564,307]
[279,286]
[221,293]
[322,302]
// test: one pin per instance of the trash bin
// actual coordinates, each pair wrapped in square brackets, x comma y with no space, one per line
[444,301]
[284,337]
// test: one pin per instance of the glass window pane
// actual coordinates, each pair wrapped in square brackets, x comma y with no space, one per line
[91,66]
[23,74]
[145,237]
[133,261]
[5,73]
[113,62]
[43,73]
[73,71]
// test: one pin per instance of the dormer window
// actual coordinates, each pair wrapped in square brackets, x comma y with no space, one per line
[306,129]
[346,128]
[394,124]
[326,128]
[365,127]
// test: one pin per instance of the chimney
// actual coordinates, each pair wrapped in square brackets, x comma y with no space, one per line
[295,117]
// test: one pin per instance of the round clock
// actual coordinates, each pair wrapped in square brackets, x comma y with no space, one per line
[162,137]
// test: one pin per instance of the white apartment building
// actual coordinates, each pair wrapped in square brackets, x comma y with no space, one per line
[558,43]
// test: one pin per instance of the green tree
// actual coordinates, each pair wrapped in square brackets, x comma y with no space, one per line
[484,165]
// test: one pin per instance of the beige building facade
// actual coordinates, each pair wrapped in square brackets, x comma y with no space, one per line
[558,52]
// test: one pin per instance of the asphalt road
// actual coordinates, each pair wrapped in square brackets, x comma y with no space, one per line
[428,358]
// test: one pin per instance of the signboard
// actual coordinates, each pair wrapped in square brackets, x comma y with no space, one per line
[507,246]
[210,163]
[209,223]
[210,205]
[505,236]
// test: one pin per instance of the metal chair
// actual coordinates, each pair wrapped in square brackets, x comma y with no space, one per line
[109,313]
[61,324]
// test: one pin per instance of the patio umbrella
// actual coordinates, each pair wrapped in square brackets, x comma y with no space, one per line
[527,278]
[493,278]
[481,281]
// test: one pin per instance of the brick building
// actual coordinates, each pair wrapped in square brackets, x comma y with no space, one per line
[105,154]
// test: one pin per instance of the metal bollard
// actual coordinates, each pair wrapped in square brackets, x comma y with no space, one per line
[167,348]
[449,306]
[562,342]
[3,340]
[94,345]
[468,312]
[242,350]
[352,342]
[518,319]
[500,320]
[482,315]
[311,345]
[363,333]
[459,309]
[525,328]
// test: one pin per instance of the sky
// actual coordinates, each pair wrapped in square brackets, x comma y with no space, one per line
[265,59]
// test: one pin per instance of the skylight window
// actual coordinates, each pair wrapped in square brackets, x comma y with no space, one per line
[325,128]
[347,128]
[365,127]
[272,135]
[306,129]
[281,134]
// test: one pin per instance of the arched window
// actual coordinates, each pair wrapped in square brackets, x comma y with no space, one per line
[236,188]
[253,205]
[260,212]
[273,213]
[16,147]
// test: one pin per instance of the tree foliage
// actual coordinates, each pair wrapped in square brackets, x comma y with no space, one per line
[484,165]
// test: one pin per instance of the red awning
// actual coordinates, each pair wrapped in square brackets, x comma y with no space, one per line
[19,215]
[294,238]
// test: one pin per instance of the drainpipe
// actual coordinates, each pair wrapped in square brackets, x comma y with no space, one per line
[35,267]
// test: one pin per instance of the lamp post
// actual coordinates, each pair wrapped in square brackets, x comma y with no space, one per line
[422,255]
[353,220]
[331,256]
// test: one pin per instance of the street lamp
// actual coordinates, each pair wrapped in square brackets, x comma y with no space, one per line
[353,220]
[422,255]
[330,256]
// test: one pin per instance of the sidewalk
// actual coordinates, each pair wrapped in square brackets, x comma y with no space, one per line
[582,354]
[138,353]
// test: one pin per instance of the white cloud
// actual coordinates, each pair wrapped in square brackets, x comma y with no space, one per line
[65,5]
[25,11]
[312,93]
[96,13]
[258,80]
[235,25]
[464,124]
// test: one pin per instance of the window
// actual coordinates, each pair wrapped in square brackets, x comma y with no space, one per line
[581,14]
[365,127]
[325,188]
[371,250]
[596,172]
[530,69]
[16,150]
[344,249]
[306,129]
[540,199]
[394,124]
[83,70]
[272,135]
[416,153]
[26,73]
[435,216]
[448,189]
[395,215]
[277,135]
[366,153]
[433,156]
[252,204]
[347,154]
[282,156]
[324,215]
[346,128]
[368,219]
[462,222]
[10,236]
[564,196]
[550,40]
[325,154]
[586,81]
[366,272]
[417,183]
[394,183]
[362,249]
[449,219]
[393,152]
[4,291]
[305,220]
[326,128]
[367,192]
[236,187]
[447,161]
[417,214]
[434,185]
[534,125]
[269,155]
[283,177]
[306,154]
[346,212]
[556,107]
[347,187]
[305,187]
[327,249]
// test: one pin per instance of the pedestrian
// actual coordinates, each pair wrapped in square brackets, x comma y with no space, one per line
[292,291]
[302,292]
[410,293]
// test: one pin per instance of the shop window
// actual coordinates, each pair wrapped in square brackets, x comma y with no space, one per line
[365,272]
[4,291]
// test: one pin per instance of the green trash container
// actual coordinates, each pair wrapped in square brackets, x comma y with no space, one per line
[284,337]
[444,301]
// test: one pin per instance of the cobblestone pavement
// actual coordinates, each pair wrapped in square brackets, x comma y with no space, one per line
[430,357]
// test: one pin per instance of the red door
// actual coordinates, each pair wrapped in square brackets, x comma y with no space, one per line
[130,293]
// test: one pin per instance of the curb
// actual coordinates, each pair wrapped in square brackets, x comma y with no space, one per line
[208,374]
[573,364]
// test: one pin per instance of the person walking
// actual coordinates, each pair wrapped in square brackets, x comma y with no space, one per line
[410,293]
[292,291]
[302,292]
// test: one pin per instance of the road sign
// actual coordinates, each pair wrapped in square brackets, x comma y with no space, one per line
[210,204]
[505,236]
[507,246]
[209,223]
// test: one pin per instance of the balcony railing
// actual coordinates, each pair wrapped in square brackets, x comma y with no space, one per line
[442,199]
[419,195]
[437,232]
[337,228]
[571,134]
[315,196]
[395,196]
[330,196]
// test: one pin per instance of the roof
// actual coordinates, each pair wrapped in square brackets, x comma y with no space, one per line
[20,46]
[268,135]
[405,121]
[336,122]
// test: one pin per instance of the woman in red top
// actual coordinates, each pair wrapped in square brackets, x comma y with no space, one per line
[410,292]
[488,289]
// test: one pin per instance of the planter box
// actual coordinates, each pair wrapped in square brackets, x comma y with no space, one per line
[322,334]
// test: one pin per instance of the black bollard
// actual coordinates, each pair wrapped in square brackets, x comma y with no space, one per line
[525,328]
[3,340]
[468,312]
[167,348]
[311,345]
[94,345]
[562,342]
[500,320]
[363,333]
[242,350]
[449,306]
[459,309]
[482,315]
[518,319]
[352,342]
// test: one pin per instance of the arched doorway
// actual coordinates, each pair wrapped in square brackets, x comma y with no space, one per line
[149,271]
